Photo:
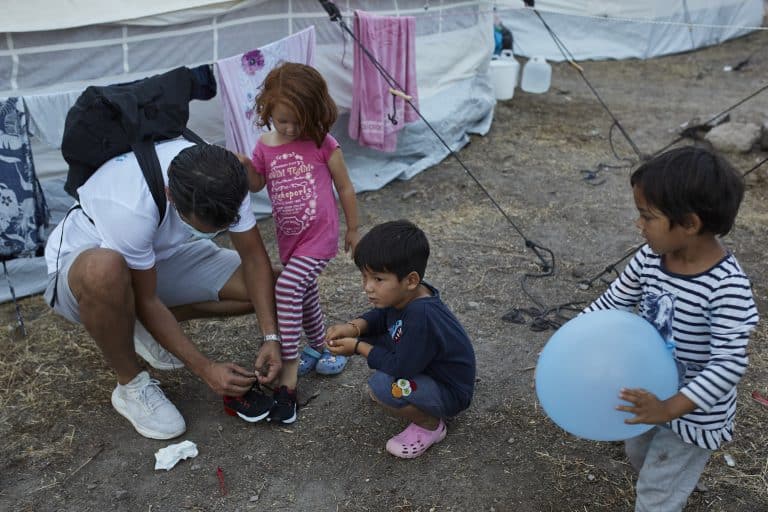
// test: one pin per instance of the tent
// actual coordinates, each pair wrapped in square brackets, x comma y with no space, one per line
[604,29]
[61,47]
[84,42]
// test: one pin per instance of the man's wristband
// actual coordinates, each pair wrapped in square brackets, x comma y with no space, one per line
[273,337]
[356,344]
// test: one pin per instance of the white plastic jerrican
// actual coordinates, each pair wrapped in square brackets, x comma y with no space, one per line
[537,75]
[504,74]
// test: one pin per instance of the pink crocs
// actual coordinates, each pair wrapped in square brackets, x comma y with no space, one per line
[414,440]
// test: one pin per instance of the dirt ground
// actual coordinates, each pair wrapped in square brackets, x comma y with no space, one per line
[64,448]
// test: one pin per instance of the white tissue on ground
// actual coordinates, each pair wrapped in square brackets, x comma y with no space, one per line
[167,457]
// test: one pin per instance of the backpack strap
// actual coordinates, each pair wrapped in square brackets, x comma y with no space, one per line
[153,174]
[192,136]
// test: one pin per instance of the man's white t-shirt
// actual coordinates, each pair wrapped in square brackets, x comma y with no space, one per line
[125,216]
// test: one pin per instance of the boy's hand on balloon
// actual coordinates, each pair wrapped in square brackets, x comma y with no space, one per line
[646,407]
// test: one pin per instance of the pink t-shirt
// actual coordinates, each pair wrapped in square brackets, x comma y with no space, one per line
[301,190]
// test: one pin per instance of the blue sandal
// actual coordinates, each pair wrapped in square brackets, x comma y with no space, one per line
[330,364]
[324,363]
[308,360]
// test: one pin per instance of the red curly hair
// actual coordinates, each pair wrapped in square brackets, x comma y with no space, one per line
[303,90]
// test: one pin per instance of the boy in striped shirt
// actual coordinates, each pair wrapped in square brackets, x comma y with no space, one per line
[693,290]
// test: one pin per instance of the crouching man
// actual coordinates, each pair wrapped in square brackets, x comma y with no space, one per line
[130,277]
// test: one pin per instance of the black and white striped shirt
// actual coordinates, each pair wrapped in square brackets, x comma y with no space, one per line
[714,313]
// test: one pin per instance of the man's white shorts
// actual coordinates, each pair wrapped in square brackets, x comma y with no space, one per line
[196,272]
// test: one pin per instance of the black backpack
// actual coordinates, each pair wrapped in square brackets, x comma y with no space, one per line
[107,121]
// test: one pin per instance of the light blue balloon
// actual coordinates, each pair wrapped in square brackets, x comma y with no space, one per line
[589,359]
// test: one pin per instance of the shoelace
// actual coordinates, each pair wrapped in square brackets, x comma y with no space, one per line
[151,396]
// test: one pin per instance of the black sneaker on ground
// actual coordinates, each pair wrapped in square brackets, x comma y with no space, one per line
[284,410]
[253,406]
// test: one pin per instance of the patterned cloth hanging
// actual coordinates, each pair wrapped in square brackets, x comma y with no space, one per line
[23,211]
[240,78]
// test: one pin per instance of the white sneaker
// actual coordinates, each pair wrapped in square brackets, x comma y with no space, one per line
[152,352]
[144,404]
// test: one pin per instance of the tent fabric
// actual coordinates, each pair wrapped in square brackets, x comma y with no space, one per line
[25,16]
[45,114]
[597,29]
[70,57]
[471,100]
[61,47]
[453,48]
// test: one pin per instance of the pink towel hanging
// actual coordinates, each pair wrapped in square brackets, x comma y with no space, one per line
[392,42]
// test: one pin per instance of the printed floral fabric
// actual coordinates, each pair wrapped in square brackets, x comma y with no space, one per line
[240,78]
[23,212]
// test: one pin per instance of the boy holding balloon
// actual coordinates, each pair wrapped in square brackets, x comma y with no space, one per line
[424,360]
[686,283]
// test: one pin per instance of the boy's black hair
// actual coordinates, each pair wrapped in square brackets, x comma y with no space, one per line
[689,180]
[398,246]
[209,182]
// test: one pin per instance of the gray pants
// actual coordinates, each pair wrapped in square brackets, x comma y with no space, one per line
[196,272]
[668,469]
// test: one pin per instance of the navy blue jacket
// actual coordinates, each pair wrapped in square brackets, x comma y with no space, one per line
[424,338]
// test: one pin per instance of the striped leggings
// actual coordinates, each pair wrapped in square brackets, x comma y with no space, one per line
[298,305]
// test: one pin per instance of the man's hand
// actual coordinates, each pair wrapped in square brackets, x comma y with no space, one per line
[268,362]
[342,346]
[229,379]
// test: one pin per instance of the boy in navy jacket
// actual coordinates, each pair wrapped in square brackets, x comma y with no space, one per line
[424,360]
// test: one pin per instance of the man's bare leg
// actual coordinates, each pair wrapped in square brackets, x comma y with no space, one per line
[233,301]
[101,283]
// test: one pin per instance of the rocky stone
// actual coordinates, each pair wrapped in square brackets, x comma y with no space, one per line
[734,137]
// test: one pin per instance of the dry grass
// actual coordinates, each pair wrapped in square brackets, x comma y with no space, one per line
[41,373]
[749,447]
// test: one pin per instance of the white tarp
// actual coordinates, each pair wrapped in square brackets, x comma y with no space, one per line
[604,29]
[42,15]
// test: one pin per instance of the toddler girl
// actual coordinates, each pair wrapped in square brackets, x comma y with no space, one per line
[300,163]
